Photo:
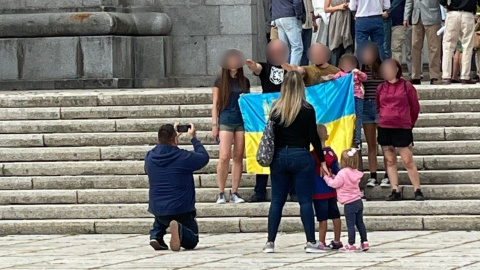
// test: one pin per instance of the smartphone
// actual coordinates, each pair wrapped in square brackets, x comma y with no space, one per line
[183,128]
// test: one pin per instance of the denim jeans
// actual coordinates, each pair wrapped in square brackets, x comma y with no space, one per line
[357,138]
[261,186]
[307,41]
[354,217]
[370,28]
[290,32]
[387,43]
[187,225]
[292,165]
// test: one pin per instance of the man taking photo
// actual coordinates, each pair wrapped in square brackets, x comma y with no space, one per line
[172,190]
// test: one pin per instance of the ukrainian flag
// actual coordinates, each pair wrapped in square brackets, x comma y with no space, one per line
[334,105]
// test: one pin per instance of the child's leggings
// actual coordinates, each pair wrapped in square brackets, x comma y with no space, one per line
[354,217]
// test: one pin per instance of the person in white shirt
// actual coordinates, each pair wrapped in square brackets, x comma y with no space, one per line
[369,22]
[322,19]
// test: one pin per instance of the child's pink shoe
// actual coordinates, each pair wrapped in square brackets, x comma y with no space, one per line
[348,247]
[365,246]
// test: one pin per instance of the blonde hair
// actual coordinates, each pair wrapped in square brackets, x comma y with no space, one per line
[292,99]
[350,161]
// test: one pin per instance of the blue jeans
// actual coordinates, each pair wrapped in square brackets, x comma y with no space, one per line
[370,28]
[187,225]
[306,40]
[292,165]
[261,186]
[354,217]
[357,138]
[290,32]
[387,44]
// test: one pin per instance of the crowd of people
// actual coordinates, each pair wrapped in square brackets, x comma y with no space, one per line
[359,37]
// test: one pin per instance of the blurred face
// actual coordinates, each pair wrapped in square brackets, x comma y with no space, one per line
[347,66]
[318,54]
[277,52]
[389,70]
[368,56]
[233,62]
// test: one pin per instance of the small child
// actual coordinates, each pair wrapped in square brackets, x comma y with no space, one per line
[348,193]
[325,197]
[348,64]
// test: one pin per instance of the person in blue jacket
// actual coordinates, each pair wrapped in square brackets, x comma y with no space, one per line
[172,190]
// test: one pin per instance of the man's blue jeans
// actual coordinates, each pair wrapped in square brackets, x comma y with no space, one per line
[187,225]
[370,28]
[292,165]
[387,44]
[290,32]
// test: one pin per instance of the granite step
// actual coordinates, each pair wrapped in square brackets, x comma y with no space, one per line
[140,195]
[230,225]
[440,162]
[437,177]
[183,111]
[114,211]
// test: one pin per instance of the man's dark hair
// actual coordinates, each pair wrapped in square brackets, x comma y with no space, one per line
[166,134]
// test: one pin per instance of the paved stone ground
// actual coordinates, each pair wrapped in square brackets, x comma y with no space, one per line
[390,250]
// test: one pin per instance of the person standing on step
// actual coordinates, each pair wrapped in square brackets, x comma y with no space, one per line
[172,188]
[398,109]
[426,18]
[340,37]
[308,28]
[397,31]
[227,122]
[369,22]
[370,58]
[295,129]
[322,18]
[289,15]
[271,75]
[459,25]
[267,4]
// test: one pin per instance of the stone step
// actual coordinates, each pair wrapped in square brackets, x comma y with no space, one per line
[440,177]
[183,111]
[115,196]
[442,162]
[96,211]
[89,98]
[230,225]
[139,152]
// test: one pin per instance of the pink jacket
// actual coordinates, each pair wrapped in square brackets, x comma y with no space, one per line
[346,182]
[397,105]
[358,79]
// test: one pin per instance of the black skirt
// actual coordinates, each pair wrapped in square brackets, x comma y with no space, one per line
[396,137]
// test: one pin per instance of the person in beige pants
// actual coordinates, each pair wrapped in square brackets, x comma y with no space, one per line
[426,20]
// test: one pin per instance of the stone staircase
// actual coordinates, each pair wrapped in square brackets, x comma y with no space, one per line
[72,162]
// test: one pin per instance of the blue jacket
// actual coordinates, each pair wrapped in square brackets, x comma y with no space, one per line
[288,8]
[170,176]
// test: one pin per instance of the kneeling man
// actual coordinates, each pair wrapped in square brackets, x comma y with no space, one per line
[172,190]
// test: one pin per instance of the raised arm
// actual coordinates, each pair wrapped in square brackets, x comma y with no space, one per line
[255,67]
[199,157]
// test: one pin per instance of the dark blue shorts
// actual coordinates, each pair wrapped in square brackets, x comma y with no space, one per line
[326,209]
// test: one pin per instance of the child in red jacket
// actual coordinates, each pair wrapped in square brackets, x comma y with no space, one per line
[398,109]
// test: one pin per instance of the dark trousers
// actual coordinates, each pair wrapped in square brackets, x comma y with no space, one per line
[370,28]
[339,52]
[354,217]
[187,225]
[261,186]
[307,40]
[292,165]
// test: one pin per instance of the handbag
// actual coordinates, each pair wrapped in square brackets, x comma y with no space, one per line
[266,148]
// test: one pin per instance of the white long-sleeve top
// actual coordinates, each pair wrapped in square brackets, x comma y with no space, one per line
[319,9]
[367,8]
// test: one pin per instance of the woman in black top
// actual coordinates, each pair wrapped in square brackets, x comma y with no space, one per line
[295,130]
[371,66]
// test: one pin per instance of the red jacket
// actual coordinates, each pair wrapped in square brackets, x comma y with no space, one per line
[397,105]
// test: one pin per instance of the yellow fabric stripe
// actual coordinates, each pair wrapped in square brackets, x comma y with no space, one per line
[252,140]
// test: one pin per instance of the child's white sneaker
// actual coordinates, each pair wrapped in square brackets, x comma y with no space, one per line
[269,247]
[316,247]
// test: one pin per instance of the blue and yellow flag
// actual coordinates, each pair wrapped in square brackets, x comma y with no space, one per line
[334,106]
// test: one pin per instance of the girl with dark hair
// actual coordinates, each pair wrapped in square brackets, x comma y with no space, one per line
[398,109]
[371,61]
[227,122]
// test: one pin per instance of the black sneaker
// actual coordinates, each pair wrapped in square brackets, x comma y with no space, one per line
[419,195]
[335,246]
[395,196]
[158,244]
[257,198]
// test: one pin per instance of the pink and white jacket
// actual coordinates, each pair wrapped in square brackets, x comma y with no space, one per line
[346,183]
[358,79]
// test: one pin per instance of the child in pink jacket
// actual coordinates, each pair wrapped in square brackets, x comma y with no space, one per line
[348,64]
[348,193]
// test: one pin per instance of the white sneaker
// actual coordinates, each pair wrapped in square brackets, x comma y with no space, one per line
[371,182]
[221,198]
[316,247]
[235,198]
[385,182]
[269,247]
